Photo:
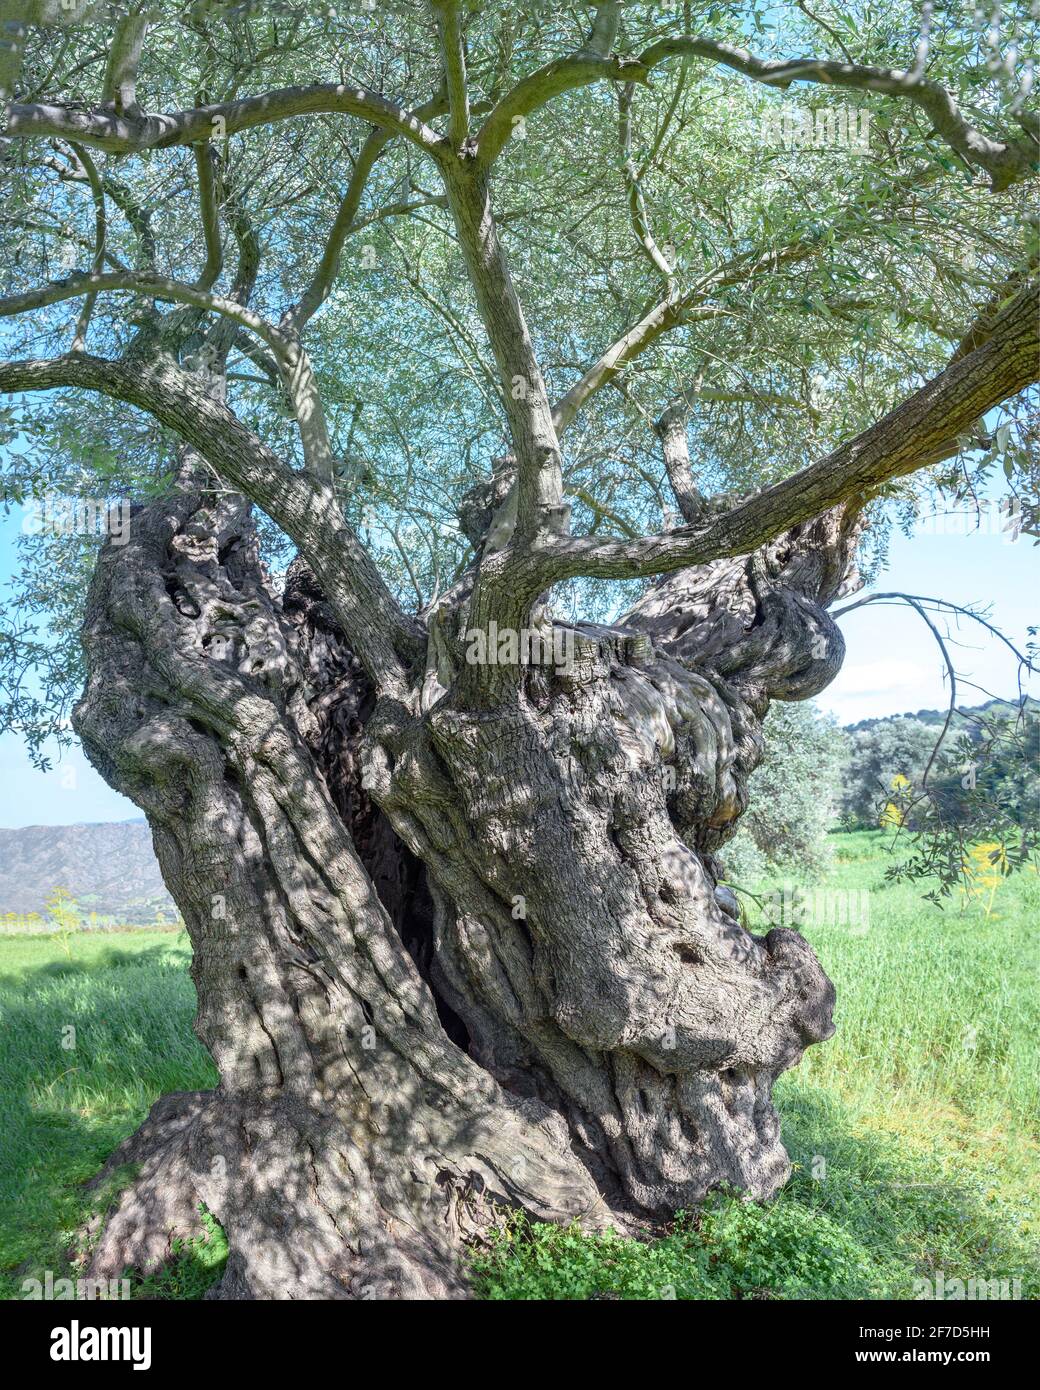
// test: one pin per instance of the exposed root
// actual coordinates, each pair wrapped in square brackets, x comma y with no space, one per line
[161,1204]
[309,1211]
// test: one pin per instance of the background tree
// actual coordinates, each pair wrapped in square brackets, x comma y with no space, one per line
[794,796]
[65,913]
[888,749]
[974,808]
[485,310]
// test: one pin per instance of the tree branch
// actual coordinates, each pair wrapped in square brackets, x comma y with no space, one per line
[143,283]
[604,27]
[564,75]
[293,362]
[100,235]
[636,201]
[670,428]
[669,313]
[324,278]
[662,317]
[208,203]
[453,54]
[1005,161]
[120,84]
[307,510]
[126,133]
[921,431]
[591,63]
[541,510]
[347,220]
[13,32]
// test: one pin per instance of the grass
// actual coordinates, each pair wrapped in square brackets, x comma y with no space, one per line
[913,1131]
[69,1097]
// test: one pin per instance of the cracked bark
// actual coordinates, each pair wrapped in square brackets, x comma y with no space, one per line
[569,834]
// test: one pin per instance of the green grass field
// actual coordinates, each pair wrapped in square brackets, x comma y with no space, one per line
[913,1131]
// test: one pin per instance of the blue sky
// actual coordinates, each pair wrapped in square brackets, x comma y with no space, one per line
[892,665]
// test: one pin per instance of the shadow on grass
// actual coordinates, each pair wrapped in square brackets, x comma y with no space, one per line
[916,1209]
[111,958]
[57,1218]
[863,1216]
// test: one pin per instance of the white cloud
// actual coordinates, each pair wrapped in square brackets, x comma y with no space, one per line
[872,689]
[882,677]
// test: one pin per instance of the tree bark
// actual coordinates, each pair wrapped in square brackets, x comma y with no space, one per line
[350,1145]
[449,958]
[569,831]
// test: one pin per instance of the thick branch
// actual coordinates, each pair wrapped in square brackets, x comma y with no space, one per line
[124,134]
[13,32]
[668,314]
[305,508]
[532,432]
[604,27]
[591,63]
[124,58]
[293,362]
[1005,161]
[671,430]
[564,75]
[453,50]
[921,431]
[209,207]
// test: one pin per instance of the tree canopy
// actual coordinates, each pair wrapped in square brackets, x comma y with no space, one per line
[396,245]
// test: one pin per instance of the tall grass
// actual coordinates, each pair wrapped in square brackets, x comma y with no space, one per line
[935,1006]
[87,1043]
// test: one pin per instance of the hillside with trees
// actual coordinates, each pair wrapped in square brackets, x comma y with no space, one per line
[108,869]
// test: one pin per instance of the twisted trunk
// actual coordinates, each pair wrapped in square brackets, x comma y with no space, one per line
[350,1144]
[449,958]
[569,834]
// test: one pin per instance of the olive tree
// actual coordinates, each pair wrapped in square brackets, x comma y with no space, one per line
[493,313]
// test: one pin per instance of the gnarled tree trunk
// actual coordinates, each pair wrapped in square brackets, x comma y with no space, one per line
[350,1143]
[449,959]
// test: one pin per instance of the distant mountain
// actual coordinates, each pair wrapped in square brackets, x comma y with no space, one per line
[108,868]
[964,715]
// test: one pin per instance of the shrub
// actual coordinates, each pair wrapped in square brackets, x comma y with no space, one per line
[794,794]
